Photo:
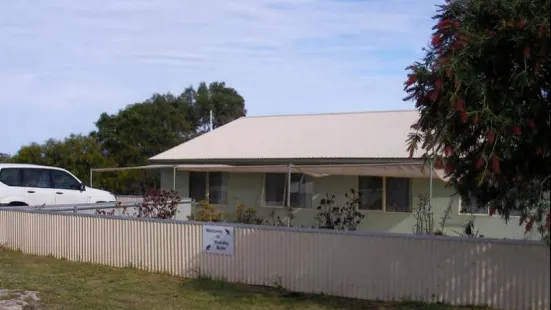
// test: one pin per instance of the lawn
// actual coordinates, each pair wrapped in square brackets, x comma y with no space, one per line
[67,285]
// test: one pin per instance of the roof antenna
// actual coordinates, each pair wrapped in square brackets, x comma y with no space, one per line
[210,121]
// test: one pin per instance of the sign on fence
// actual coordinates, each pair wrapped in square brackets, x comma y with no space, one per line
[218,239]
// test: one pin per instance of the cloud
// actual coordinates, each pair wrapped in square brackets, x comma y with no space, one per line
[63,62]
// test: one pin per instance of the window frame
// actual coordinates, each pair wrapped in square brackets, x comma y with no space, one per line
[224,178]
[284,204]
[384,194]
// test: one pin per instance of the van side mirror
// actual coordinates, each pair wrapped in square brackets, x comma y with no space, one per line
[82,187]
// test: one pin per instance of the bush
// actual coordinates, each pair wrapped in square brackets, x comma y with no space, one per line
[346,217]
[157,203]
[247,216]
[206,213]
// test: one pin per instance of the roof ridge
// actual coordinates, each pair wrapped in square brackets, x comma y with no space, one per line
[329,113]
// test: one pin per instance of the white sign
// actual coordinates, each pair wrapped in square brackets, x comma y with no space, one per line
[218,239]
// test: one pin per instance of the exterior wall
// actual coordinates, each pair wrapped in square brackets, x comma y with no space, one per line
[247,188]
[503,274]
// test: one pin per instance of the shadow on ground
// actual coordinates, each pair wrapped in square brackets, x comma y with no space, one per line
[243,294]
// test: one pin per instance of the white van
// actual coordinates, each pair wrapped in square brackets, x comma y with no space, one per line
[33,185]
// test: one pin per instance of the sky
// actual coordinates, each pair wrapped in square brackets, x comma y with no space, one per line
[64,62]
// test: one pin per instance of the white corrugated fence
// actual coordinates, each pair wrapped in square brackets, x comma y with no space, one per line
[504,274]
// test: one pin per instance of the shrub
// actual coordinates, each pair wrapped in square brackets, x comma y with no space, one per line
[424,218]
[157,203]
[345,217]
[247,216]
[206,213]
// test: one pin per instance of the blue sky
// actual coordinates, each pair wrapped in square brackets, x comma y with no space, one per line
[63,62]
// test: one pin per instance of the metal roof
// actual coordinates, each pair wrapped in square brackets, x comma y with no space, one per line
[380,134]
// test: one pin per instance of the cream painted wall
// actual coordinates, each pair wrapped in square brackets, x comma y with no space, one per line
[246,188]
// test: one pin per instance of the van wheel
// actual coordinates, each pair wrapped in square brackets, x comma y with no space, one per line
[17,204]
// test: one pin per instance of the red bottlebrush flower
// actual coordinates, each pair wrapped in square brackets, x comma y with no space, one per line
[492,211]
[457,24]
[433,95]
[448,150]
[436,39]
[491,136]
[438,164]
[496,165]
[438,84]
[532,124]
[443,24]
[526,52]
[460,104]
[522,24]
[411,79]
[517,131]
[458,45]
[449,168]
[480,162]
[463,116]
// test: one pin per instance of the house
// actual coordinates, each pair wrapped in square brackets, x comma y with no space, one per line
[248,161]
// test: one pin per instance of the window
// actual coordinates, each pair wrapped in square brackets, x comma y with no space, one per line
[39,178]
[63,180]
[473,207]
[275,186]
[385,194]
[371,190]
[216,183]
[218,188]
[10,176]
[197,185]
[398,195]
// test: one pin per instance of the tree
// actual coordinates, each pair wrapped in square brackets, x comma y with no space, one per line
[482,91]
[145,129]
[225,103]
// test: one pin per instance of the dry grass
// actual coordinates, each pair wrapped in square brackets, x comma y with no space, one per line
[68,285]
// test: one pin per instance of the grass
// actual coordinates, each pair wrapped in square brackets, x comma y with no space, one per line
[68,285]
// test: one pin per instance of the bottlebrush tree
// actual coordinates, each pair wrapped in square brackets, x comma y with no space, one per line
[482,91]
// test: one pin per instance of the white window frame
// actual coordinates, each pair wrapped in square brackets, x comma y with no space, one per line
[384,198]
[225,177]
[285,189]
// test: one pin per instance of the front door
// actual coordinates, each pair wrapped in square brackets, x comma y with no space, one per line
[67,188]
